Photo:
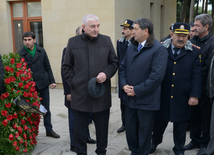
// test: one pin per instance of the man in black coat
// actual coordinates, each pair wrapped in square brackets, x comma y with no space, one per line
[201,114]
[141,74]
[2,88]
[180,89]
[87,56]
[122,45]
[37,60]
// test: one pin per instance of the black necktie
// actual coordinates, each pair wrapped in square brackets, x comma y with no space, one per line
[176,51]
[126,44]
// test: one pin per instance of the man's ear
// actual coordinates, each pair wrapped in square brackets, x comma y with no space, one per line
[34,40]
[206,27]
[83,27]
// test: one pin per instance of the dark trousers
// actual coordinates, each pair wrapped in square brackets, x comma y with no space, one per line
[139,125]
[101,121]
[44,94]
[122,108]
[179,134]
[200,122]
[210,147]
[71,124]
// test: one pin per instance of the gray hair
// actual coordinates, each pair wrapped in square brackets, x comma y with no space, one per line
[145,23]
[78,30]
[88,17]
[205,19]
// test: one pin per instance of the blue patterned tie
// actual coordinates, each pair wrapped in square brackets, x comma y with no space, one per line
[139,47]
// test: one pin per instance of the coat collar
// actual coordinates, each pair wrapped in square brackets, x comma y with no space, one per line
[188,45]
[27,56]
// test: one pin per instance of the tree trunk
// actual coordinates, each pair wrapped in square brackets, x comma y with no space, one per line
[206,6]
[191,13]
[184,11]
[202,7]
[196,11]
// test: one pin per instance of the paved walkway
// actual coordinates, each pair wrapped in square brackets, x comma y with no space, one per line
[117,144]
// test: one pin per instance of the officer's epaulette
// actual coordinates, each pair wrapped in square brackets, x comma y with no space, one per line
[193,45]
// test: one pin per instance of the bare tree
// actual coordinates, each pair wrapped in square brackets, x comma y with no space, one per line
[206,6]
[203,6]
[196,11]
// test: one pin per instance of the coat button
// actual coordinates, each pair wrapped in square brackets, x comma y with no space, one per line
[173,74]
[172,85]
[171,96]
[175,63]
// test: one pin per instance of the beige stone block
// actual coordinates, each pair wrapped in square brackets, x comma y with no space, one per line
[46,4]
[58,5]
[3,6]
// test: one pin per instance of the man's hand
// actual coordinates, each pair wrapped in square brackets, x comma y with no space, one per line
[101,77]
[53,85]
[193,101]
[68,97]
[129,90]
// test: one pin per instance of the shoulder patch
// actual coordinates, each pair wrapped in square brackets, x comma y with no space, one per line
[193,45]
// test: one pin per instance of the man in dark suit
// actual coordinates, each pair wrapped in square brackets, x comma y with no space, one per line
[122,45]
[37,60]
[141,74]
[67,93]
[180,89]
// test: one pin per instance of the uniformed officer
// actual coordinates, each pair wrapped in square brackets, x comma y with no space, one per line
[122,45]
[180,89]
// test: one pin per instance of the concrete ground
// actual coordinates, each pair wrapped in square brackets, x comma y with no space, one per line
[117,144]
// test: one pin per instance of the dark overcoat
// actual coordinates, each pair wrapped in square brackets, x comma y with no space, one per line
[183,79]
[2,88]
[121,52]
[84,59]
[145,71]
[40,66]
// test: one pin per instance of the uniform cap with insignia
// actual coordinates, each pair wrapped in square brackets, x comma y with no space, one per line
[128,23]
[181,28]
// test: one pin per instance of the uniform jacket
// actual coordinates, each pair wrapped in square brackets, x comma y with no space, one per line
[67,89]
[84,59]
[183,79]
[206,45]
[40,66]
[121,52]
[2,88]
[145,71]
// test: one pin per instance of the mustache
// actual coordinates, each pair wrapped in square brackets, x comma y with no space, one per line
[180,41]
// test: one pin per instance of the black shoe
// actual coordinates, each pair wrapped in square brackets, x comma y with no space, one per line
[52,134]
[121,129]
[152,148]
[179,154]
[72,148]
[190,146]
[91,141]
[202,151]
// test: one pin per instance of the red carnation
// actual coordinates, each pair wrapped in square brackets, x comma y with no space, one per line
[14,126]
[22,59]
[9,117]
[4,113]
[5,122]
[25,127]
[22,78]
[11,137]
[28,119]
[6,94]
[18,91]
[25,150]
[12,79]
[19,128]
[7,81]
[25,72]
[21,141]
[29,69]
[14,143]
[25,144]
[22,112]
[15,116]
[16,135]
[25,94]
[18,74]
[32,143]
[23,122]
[11,70]
[12,61]
[12,89]
[31,123]
[3,97]
[28,101]
[30,95]
[18,65]
[25,136]
[17,148]
[8,105]
[26,86]
[30,137]
[24,68]
[7,68]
